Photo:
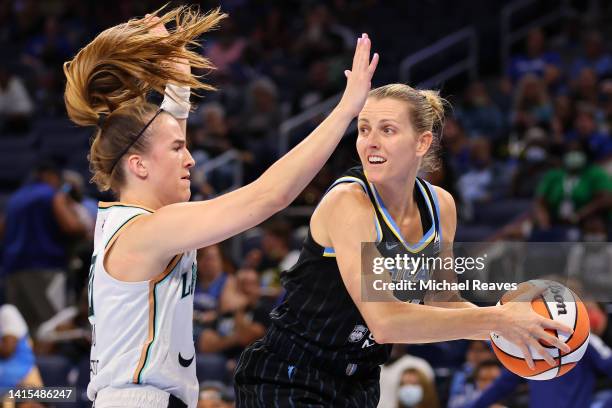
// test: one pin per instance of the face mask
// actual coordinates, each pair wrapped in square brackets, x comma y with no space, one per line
[574,160]
[535,155]
[410,395]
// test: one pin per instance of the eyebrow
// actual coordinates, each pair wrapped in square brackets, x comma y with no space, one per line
[179,142]
[394,121]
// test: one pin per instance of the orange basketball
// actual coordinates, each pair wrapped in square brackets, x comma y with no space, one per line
[559,303]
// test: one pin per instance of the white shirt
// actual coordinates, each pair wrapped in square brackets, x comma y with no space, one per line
[142,331]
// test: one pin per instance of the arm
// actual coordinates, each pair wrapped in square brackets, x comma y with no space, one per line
[448,225]
[392,321]
[8,345]
[197,224]
[599,355]
[500,389]
[66,216]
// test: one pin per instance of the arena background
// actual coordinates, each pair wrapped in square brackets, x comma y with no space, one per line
[528,81]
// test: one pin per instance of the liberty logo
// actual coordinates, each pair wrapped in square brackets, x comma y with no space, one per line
[188,290]
[290,371]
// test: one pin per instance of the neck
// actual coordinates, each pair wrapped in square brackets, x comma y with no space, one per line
[144,198]
[397,194]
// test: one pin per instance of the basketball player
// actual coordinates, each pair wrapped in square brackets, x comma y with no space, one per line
[325,344]
[142,274]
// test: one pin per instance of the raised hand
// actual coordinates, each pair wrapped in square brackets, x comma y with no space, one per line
[359,78]
[180,64]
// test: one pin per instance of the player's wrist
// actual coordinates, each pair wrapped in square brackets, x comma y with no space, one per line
[176,101]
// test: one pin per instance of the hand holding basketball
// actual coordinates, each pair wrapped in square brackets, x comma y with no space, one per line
[525,328]
[545,331]
[359,78]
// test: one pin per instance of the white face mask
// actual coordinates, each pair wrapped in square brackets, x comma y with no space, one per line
[410,395]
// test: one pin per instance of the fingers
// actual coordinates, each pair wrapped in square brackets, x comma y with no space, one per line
[555,325]
[536,346]
[526,354]
[555,342]
[361,58]
[531,293]
[373,64]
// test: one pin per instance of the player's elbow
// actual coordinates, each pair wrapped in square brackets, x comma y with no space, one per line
[275,199]
[380,331]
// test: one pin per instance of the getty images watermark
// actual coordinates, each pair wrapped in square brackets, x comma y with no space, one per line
[482,271]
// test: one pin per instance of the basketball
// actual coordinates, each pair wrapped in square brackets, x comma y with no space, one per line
[559,303]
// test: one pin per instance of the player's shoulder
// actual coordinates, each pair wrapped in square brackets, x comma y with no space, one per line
[347,196]
[346,204]
[445,199]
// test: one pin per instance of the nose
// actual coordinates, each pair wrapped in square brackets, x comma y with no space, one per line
[374,141]
[190,161]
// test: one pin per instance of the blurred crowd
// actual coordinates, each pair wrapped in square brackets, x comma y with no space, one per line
[526,154]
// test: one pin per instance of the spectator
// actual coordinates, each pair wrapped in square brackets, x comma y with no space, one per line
[531,105]
[416,390]
[317,87]
[50,49]
[479,115]
[215,394]
[68,333]
[456,146]
[462,389]
[563,118]
[575,191]
[538,61]
[320,39]
[480,183]
[590,261]
[574,389]
[17,362]
[234,330]
[584,88]
[277,255]
[593,57]
[15,103]
[209,141]
[532,165]
[390,375]
[40,216]
[216,291]
[585,131]
[259,125]
[225,53]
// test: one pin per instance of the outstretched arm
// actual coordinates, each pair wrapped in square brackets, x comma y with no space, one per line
[197,224]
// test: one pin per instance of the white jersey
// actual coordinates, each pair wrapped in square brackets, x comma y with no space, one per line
[142,331]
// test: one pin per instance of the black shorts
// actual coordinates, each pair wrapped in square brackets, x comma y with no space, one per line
[264,379]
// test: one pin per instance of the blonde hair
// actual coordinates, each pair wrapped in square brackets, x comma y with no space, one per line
[110,78]
[426,110]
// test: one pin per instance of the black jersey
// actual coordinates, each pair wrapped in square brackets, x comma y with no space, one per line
[318,320]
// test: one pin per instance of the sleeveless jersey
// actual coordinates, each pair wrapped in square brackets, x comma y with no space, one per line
[318,314]
[142,331]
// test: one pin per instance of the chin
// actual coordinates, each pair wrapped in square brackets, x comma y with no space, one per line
[374,174]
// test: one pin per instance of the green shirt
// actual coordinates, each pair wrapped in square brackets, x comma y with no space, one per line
[590,182]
